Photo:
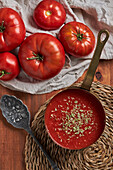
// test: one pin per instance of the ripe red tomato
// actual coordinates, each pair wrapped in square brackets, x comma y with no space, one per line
[77,39]
[12,29]
[9,66]
[49,14]
[41,56]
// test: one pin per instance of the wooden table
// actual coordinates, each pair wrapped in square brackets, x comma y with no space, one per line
[12,140]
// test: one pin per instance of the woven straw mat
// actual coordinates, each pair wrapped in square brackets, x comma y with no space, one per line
[98,156]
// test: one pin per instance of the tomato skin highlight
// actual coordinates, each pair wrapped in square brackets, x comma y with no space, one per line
[9,66]
[12,29]
[41,56]
[49,14]
[78,40]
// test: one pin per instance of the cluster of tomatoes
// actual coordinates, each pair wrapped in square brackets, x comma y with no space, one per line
[41,55]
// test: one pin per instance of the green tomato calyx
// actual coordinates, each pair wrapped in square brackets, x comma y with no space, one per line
[48,13]
[2,28]
[79,36]
[3,72]
[36,57]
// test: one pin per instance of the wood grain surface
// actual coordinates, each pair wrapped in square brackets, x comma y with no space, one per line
[12,140]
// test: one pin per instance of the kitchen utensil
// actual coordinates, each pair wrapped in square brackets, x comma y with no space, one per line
[17,114]
[75,118]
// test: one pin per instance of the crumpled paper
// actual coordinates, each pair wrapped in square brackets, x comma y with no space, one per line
[96,14]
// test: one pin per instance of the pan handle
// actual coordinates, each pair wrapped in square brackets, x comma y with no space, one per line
[95,60]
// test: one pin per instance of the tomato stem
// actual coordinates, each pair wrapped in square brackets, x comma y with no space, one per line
[3,72]
[2,28]
[38,57]
[79,36]
[48,13]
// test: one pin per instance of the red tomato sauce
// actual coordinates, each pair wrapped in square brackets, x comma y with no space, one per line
[74,119]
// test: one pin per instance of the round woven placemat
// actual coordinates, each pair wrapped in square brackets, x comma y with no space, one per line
[98,156]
